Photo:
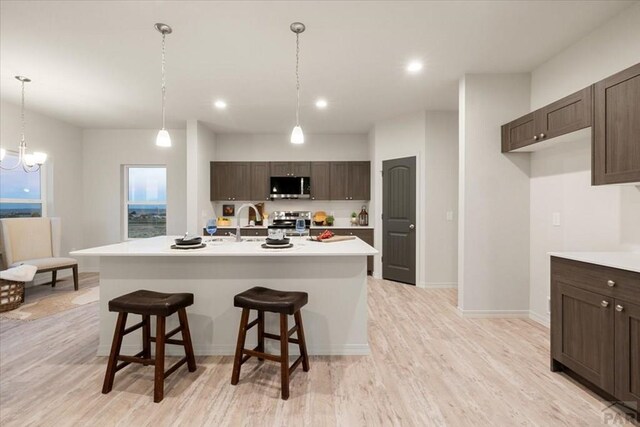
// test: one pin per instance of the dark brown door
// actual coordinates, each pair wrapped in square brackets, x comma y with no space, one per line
[220,181]
[582,333]
[300,169]
[398,220]
[320,181]
[339,180]
[571,113]
[627,319]
[519,133]
[260,174]
[280,169]
[616,126]
[240,178]
[359,180]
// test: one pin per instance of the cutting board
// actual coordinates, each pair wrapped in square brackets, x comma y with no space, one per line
[334,239]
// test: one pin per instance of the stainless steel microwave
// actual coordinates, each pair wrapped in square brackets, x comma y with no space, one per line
[289,187]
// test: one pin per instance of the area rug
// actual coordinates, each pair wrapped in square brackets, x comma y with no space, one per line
[49,306]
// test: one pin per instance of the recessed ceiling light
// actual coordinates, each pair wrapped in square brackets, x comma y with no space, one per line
[414,67]
[220,104]
[321,103]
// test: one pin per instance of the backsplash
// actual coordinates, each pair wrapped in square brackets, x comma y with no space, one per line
[340,210]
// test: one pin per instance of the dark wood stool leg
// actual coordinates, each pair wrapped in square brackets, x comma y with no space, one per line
[75,277]
[186,339]
[115,352]
[146,337]
[158,383]
[54,278]
[260,333]
[242,334]
[302,343]
[284,355]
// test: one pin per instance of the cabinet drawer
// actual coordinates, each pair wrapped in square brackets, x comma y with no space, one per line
[603,280]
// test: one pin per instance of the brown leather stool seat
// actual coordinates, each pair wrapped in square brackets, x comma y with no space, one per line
[283,303]
[147,304]
[150,303]
[265,299]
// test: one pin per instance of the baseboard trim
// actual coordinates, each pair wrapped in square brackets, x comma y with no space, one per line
[494,314]
[438,285]
[229,350]
[543,320]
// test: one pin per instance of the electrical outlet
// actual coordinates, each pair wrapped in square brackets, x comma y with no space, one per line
[556,219]
[449,215]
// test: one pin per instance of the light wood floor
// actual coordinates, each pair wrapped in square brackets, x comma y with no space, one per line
[428,366]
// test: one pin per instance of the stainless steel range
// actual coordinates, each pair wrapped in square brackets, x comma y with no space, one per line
[287,220]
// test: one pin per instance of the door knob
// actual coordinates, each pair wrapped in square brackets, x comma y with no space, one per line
[611,283]
[411,226]
[619,307]
[605,304]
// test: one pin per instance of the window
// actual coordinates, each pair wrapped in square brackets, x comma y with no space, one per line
[21,193]
[145,208]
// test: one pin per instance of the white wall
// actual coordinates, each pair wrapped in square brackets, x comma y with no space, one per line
[200,149]
[493,263]
[432,138]
[105,152]
[599,218]
[63,144]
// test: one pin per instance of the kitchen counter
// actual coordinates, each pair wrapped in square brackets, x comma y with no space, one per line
[622,260]
[333,274]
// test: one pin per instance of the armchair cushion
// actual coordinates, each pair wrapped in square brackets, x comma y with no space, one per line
[48,263]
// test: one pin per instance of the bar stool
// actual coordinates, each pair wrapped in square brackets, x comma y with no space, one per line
[284,303]
[147,304]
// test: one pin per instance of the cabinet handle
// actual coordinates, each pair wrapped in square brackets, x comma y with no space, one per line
[313,198]
[542,135]
[411,226]
[535,137]
[611,283]
[605,304]
[619,307]
[229,198]
[346,198]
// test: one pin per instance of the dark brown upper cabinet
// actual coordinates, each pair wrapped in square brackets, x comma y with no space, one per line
[571,113]
[230,181]
[616,128]
[320,181]
[350,180]
[260,177]
[290,168]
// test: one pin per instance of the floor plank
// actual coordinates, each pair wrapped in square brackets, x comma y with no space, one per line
[428,366]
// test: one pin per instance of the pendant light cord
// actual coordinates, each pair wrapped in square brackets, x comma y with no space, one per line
[22,117]
[297,79]
[164,88]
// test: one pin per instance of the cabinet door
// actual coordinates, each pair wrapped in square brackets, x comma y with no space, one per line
[616,126]
[519,133]
[320,181]
[359,180]
[582,332]
[339,178]
[300,168]
[627,319]
[571,113]
[281,169]
[220,181]
[240,176]
[260,174]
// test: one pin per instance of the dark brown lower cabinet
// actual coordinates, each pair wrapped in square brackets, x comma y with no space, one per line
[245,231]
[595,327]
[366,234]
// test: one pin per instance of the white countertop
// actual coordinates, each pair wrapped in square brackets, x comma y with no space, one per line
[161,246]
[622,260]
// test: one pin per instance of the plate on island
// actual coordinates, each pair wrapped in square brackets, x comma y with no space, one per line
[198,246]
[268,246]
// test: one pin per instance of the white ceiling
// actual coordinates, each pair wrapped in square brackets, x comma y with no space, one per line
[96,64]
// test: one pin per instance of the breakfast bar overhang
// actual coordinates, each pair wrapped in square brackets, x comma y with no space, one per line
[333,274]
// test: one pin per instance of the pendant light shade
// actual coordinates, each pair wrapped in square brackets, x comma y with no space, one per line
[163,139]
[297,137]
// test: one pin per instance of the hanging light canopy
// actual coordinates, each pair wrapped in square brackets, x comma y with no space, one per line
[163,139]
[30,162]
[297,137]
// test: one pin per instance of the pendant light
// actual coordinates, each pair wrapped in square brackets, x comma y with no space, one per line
[297,137]
[30,162]
[163,139]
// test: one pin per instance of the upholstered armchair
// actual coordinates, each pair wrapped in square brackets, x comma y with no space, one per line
[35,241]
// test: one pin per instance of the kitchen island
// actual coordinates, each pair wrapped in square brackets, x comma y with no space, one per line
[333,274]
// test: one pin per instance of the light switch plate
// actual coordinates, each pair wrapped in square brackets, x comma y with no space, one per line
[449,215]
[556,219]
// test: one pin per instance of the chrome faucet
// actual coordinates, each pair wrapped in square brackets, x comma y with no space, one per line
[246,205]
